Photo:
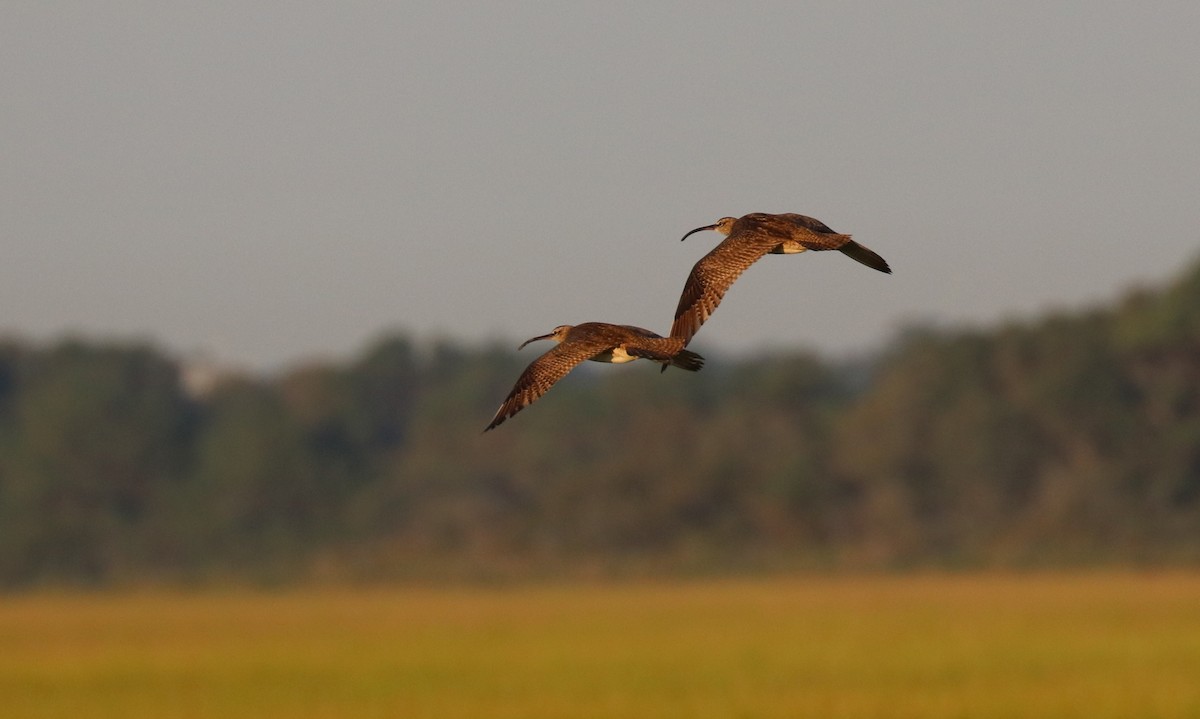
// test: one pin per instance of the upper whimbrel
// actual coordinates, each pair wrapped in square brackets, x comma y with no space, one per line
[747,239]
[596,341]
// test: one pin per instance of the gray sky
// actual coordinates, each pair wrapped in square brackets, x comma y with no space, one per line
[272,181]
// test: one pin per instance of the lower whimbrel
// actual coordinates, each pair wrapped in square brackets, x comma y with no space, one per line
[748,238]
[596,341]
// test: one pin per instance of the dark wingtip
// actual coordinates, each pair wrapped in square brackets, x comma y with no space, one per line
[866,256]
[496,421]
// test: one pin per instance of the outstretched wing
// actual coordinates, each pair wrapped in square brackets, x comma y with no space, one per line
[866,256]
[819,237]
[709,280]
[541,374]
[808,223]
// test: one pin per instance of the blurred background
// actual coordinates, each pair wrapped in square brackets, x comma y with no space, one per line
[265,267]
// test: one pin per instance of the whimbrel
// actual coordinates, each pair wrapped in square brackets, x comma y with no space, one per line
[596,341]
[748,238]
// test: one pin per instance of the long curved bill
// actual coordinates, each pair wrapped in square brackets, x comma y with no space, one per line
[535,339]
[698,229]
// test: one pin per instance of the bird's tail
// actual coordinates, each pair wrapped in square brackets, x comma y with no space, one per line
[688,360]
[856,251]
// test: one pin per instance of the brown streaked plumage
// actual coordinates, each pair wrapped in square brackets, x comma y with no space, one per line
[596,341]
[748,238]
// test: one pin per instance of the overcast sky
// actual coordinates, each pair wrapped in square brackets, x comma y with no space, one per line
[273,181]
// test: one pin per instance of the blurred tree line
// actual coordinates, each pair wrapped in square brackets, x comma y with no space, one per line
[1068,440]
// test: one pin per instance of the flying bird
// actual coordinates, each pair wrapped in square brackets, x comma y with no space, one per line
[748,238]
[595,341]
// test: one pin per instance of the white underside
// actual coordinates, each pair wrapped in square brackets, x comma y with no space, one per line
[789,247]
[616,355]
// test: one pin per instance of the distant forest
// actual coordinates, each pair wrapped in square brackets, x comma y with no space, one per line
[1071,439]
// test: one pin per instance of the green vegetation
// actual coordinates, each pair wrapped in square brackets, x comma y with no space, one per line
[929,646]
[1070,440]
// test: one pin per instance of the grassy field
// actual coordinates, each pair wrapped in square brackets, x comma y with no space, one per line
[1107,645]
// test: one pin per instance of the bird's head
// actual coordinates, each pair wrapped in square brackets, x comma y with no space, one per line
[723,225]
[558,335]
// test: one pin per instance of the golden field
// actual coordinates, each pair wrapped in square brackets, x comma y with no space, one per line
[1040,645]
